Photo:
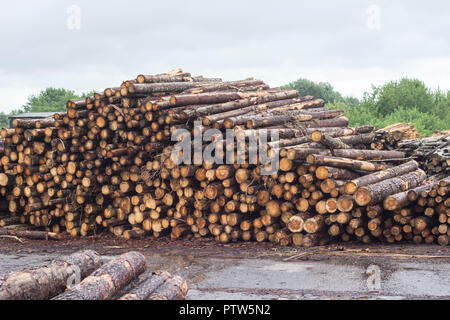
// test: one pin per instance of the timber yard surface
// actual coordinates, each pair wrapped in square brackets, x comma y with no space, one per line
[266,271]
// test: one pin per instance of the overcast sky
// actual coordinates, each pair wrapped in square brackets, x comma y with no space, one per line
[351,44]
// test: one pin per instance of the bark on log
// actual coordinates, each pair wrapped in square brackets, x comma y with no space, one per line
[103,283]
[46,282]
[149,88]
[147,287]
[375,193]
[37,235]
[174,288]
[180,77]
[352,186]
[302,154]
[358,139]
[328,141]
[344,163]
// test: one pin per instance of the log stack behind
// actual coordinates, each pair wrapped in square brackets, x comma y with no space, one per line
[107,164]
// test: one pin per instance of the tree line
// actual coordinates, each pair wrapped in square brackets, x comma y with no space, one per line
[48,100]
[406,100]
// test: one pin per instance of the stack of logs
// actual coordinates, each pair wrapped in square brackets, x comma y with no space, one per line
[389,138]
[110,164]
[432,153]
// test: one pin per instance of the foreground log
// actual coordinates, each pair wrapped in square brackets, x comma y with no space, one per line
[147,287]
[46,282]
[174,288]
[103,283]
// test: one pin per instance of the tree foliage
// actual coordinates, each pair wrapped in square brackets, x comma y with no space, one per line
[4,123]
[48,100]
[406,100]
[321,90]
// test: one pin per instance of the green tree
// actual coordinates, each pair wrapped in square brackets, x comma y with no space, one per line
[49,100]
[405,100]
[406,94]
[321,90]
[4,122]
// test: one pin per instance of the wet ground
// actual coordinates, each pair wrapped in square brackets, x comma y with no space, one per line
[264,271]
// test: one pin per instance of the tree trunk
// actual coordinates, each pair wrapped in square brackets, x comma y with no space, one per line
[328,141]
[174,288]
[358,139]
[103,283]
[149,88]
[344,163]
[148,286]
[352,186]
[37,235]
[45,282]
[296,117]
[375,193]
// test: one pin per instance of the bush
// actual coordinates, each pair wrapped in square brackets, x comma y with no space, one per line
[321,90]
[407,100]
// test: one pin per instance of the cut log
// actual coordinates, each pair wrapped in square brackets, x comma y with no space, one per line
[344,163]
[37,235]
[46,282]
[103,283]
[302,154]
[147,287]
[328,141]
[174,288]
[375,193]
[352,186]
[297,222]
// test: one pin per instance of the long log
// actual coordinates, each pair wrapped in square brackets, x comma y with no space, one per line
[328,141]
[103,283]
[402,199]
[149,88]
[180,77]
[43,283]
[147,287]
[357,154]
[272,120]
[375,193]
[345,163]
[37,235]
[352,186]
[174,288]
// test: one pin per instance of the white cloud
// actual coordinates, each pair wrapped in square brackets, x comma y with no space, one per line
[274,41]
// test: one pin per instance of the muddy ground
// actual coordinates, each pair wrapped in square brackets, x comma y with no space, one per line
[265,271]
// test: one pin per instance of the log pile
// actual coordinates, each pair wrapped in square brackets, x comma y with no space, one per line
[389,138]
[112,163]
[439,133]
[83,276]
[432,153]
[421,214]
